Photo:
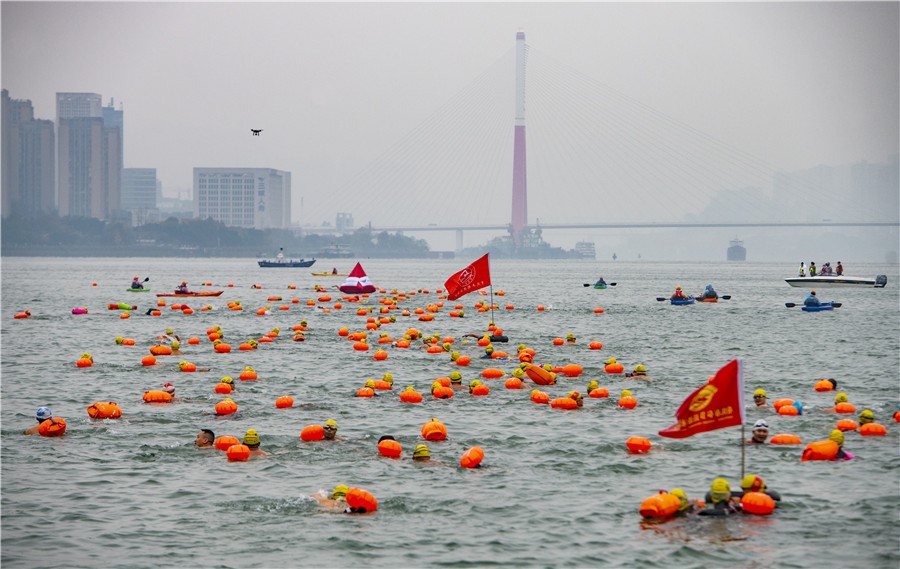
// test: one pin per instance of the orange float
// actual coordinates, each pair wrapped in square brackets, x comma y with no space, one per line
[598,310]
[572,370]
[284,402]
[27,314]
[481,389]
[472,457]
[595,345]
[434,430]
[757,503]
[788,410]
[84,362]
[463,361]
[223,388]
[785,439]
[847,425]
[249,374]
[513,383]
[779,403]
[820,450]
[564,403]
[615,367]
[157,397]
[442,392]
[844,407]
[365,392]
[380,355]
[498,355]
[492,373]
[104,410]
[187,366]
[627,402]
[558,341]
[434,350]
[539,375]
[410,395]
[599,392]
[161,350]
[226,407]
[823,385]
[873,429]
[226,441]
[54,427]
[383,385]
[264,339]
[222,348]
[312,433]
[660,505]
[638,445]
[361,501]
[238,453]
[246,346]
[193,341]
[540,397]
[361,346]
[128,342]
[390,448]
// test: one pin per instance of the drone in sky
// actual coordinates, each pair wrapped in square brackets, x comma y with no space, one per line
[256,131]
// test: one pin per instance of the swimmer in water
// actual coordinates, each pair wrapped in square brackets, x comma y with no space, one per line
[760,432]
[251,440]
[330,429]
[488,352]
[579,398]
[205,439]
[639,372]
[720,499]
[759,397]
[421,453]
[456,380]
[838,437]
[42,414]
[175,350]
[336,502]
[570,338]
[754,483]
[687,506]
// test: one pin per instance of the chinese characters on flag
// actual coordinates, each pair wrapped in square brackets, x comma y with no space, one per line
[716,405]
[475,276]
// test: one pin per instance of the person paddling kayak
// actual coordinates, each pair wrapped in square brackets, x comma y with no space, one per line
[136,283]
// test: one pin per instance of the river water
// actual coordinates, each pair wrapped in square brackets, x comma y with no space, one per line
[557,489]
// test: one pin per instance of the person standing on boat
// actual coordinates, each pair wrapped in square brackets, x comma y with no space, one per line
[136,283]
[812,268]
[802,270]
[840,269]
[812,299]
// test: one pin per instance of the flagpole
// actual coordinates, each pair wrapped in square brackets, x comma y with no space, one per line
[492,305]
[743,452]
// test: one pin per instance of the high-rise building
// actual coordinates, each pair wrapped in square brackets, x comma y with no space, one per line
[89,156]
[28,165]
[258,198]
[139,186]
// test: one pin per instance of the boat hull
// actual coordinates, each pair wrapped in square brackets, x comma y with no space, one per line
[329,274]
[145,289]
[819,308]
[834,281]
[681,302]
[286,264]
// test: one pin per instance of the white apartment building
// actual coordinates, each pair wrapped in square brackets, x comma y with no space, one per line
[258,198]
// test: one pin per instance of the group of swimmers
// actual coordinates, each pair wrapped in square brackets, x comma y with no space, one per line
[826,269]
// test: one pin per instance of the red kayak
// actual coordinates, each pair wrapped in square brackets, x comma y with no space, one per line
[208,293]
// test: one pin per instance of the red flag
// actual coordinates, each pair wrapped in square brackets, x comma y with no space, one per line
[716,405]
[475,276]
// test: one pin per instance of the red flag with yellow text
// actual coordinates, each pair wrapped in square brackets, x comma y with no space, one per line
[716,405]
[475,276]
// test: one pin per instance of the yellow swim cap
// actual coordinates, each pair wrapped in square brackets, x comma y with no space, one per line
[340,491]
[86,356]
[454,355]
[489,349]
[752,483]
[455,377]
[251,438]
[866,416]
[593,385]
[837,436]
[521,347]
[409,388]
[119,339]
[640,369]
[388,378]
[611,361]
[626,393]
[175,345]
[518,373]
[761,392]
[370,383]
[474,383]
[168,330]
[719,491]
[421,451]
[227,379]
[331,423]
[840,398]
[679,493]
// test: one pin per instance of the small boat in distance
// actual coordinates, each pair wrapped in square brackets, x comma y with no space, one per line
[205,293]
[736,251]
[329,274]
[280,261]
[830,281]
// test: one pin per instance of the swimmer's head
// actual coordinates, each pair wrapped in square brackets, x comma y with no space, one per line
[719,491]
[752,483]
[678,287]
[474,383]
[169,330]
[169,388]
[626,393]
[489,349]
[227,379]
[251,438]
[43,413]
[594,384]
[570,337]
[575,395]
[175,345]
[837,436]
[119,339]
[866,416]
[455,377]
[761,425]
[340,491]
[370,384]
[330,425]
[640,369]
[421,452]
[840,398]
[388,378]
[682,497]
[610,361]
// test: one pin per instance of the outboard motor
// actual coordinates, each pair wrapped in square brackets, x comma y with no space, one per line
[881,281]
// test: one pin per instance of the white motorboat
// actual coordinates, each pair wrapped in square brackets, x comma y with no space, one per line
[832,281]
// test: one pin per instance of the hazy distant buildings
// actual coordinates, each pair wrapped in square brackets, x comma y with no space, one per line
[28,166]
[139,190]
[258,198]
[89,156]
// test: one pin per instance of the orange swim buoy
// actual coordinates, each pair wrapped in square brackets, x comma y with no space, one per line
[238,453]
[390,448]
[284,402]
[660,505]
[873,429]
[844,407]
[820,450]
[226,441]
[628,402]
[27,314]
[785,439]
[128,342]
[224,388]
[513,383]
[157,397]
[480,390]
[187,367]
[463,361]
[161,350]
[558,341]
[222,348]
[312,433]
[564,403]
[779,403]
[54,427]
[380,355]
[492,373]
[361,501]
[595,345]
[365,392]
[757,503]
[638,445]
[540,397]
[104,410]
[84,362]
[383,385]
[847,425]
[572,370]
[539,375]
[599,393]
[442,392]
[410,396]
[788,410]
[823,385]
[615,368]
[434,430]
[248,375]
[472,457]
[226,407]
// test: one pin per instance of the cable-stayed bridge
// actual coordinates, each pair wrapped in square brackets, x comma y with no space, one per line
[595,159]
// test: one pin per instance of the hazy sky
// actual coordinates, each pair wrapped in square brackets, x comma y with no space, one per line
[335,84]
